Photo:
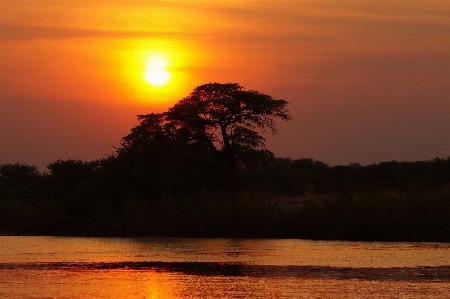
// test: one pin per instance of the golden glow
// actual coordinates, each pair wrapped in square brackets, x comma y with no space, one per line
[102,51]
[155,72]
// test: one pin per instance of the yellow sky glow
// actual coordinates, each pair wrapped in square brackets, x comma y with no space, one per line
[98,51]
[134,66]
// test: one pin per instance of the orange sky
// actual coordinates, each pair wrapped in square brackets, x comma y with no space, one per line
[367,81]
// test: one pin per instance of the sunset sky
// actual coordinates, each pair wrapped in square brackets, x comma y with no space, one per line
[366,81]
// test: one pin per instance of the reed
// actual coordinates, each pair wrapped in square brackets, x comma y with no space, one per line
[371,216]
[377,216]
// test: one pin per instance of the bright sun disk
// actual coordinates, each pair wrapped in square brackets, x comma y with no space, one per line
[155,72]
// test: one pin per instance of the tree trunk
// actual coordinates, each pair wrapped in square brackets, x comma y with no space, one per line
[230,159]
[234,178]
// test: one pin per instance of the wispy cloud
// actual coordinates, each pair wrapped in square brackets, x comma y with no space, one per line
[29,33]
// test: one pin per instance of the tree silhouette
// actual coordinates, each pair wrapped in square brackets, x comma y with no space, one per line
[17,175]
[224,119]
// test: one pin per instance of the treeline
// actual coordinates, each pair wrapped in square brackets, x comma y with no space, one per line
[170,189]
[301,176]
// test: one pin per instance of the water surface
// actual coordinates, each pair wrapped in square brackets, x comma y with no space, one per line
[57,267]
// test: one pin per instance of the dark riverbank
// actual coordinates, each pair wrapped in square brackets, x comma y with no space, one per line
[385,216]
[391,201]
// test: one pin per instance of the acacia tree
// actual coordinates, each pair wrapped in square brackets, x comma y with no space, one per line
[224,119]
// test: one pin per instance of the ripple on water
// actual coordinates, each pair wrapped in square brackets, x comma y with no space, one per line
[436,274]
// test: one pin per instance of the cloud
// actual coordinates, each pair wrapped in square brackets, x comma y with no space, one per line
[29,33]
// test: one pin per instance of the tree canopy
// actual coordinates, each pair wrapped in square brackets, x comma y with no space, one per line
[223,119]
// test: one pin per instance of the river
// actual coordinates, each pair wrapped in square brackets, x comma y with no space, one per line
[69,267]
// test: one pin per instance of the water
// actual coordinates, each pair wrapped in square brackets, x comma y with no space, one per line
[57,267]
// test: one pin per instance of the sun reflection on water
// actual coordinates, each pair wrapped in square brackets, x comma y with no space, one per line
[157,287]
[69,268]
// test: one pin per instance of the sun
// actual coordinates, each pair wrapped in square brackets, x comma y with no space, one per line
[155,71]
[153,74]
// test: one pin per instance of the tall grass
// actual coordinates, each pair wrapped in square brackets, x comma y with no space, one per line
[414,215]
[377,216]
[206,214]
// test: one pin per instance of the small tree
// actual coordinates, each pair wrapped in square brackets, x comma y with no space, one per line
[224,119]
[18,175]
[19,181]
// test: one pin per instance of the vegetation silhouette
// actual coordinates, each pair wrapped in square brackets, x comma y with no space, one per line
[221,119]
[176,174]
[389,201]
